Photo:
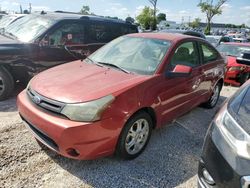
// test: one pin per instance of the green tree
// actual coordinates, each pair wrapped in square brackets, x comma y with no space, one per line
[154,3]
[130,19]
[243,26]
[146,17]
[167,25]
[85,10]
[161,17]
[211,9]
[195,23]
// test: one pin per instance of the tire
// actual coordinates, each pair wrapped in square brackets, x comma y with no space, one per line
[243,78]
[134,140]
[211,103]
[6,84]
[41,145]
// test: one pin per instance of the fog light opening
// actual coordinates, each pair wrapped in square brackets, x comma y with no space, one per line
[73,152]
[207,177]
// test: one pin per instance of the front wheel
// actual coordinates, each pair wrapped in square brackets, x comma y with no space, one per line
[6,84]
[135,136]
[211,103]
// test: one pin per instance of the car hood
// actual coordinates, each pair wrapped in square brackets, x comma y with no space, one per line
[5,41]
[77,82]
[10,47]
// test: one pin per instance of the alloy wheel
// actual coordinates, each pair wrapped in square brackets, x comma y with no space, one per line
[215,95]
[137,136]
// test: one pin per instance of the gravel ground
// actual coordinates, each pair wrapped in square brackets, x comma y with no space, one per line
[170,160]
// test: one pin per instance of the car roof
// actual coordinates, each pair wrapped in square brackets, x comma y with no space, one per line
[163,36]
[60,15]
[237,43]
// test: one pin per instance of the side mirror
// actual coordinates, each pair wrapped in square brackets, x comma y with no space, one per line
[44,41]
[244,59]
[179,71]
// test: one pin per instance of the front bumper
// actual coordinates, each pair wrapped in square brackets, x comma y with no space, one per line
[90,140]
[225,167]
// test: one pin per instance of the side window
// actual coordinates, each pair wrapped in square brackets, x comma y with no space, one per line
[209,54]
[185,54]
[68,34]
[98,33]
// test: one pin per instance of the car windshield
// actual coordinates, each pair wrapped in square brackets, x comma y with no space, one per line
[6,20]
[133,54]
[233,50]
[29,27]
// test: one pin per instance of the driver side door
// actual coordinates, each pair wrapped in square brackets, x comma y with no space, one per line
[60,45]
[182,93]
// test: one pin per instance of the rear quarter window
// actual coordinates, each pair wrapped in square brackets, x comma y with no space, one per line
[209,54]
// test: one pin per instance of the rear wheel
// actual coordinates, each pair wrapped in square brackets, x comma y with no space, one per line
[243,78]
[211,103]
[135,136]
[6,84]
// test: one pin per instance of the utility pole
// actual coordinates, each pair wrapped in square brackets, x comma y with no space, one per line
[21,9]
[30,8]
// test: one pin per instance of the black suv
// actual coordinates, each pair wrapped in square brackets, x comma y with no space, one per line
[39,41]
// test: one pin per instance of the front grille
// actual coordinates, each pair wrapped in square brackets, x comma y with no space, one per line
[48,104]
[50,142]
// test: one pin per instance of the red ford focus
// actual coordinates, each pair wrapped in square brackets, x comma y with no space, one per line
[110,102]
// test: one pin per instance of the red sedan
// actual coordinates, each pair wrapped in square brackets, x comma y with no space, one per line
[237,74]
[110,102]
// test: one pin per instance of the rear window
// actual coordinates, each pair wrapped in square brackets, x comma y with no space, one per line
[101,32]
[209,54]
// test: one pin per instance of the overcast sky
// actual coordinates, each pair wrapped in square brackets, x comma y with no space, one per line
[234,11]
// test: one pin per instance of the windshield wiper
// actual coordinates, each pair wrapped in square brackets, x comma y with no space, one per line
[116,66]
[92,61]
[11,35]
[231,55]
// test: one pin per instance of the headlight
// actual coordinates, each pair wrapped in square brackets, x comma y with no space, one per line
[89,111]
[28,85]
[234,134]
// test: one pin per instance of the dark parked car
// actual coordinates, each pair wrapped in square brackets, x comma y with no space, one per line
[110,102]
[226,153]
[184,32]
[40,41]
